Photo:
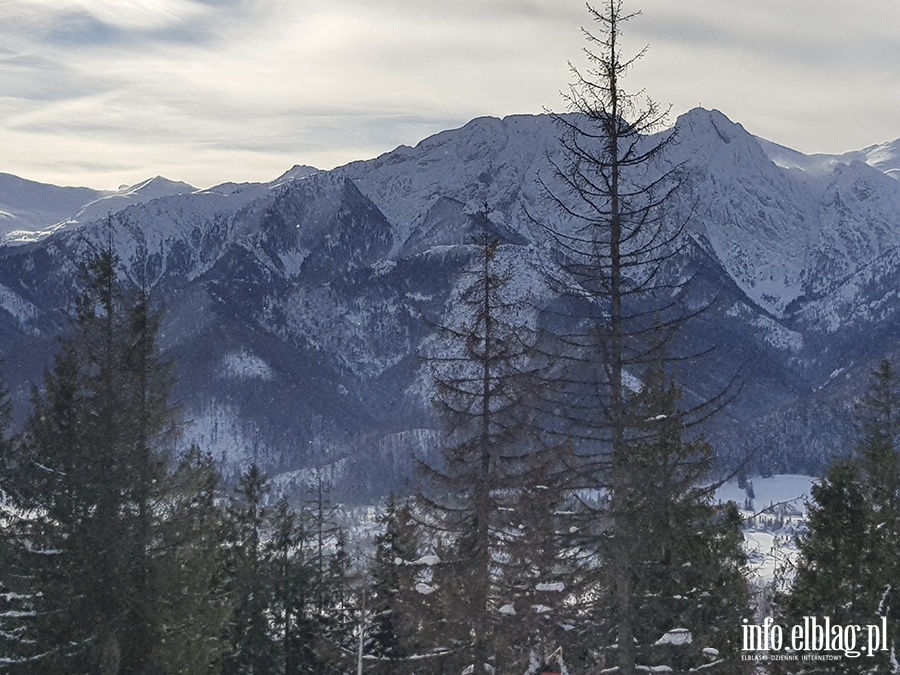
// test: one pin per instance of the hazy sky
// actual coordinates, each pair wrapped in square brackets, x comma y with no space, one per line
[105,92]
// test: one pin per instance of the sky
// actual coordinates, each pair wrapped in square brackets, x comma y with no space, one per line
[109,92]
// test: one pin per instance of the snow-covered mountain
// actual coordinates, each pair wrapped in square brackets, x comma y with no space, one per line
[295,308]
[883,156]
[29,206]
[31,211]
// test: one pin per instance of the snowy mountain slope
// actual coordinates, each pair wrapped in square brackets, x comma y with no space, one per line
[284,277]
[28,206]
[489,162]
[780,234]
[30,211]
[885,157]
[148,190]
[748,214]
[783,235]
[295,308]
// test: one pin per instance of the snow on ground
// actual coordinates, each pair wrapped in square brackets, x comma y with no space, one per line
[788,489]
[766,551]
[244,365]
[776,516]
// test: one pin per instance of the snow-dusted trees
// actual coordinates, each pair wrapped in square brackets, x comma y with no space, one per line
[88,472]
[113,555]
[15,607]
[252,647]
[615,235]
[481,370]
[848,567]
[691,578]
[392,630]
[286,586]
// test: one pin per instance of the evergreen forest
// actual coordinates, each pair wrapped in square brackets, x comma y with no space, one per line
[567,525]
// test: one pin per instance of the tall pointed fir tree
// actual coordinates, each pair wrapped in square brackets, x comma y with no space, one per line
[90,468]
[253,648]
[689,588]
[848,568]
[104,531]
[482,372]
[391,631]
[616,234]
[294,610]
[286,580]
[314,524]
[194,601]
[149,431]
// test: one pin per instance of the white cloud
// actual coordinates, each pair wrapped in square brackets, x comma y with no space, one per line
[816,75]
[105,92]
[137,14]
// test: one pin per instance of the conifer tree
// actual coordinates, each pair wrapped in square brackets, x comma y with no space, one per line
[291,605]
[409,623]
[252,646]
[320,523]
[693,576]
[194,602]
[538,573]
[150,429]
[15,606]
[391,633]
[289,580]
[616,234]
[305,608]
[305,589]
[470,397]
[483,371]
[848,568]
[88,469]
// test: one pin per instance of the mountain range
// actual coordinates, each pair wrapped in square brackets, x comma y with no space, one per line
[296,310]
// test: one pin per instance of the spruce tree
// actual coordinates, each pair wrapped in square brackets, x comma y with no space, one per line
[149,421]
[391,632]
[538,572]
[483,371]
[319,517]
[253,648]
[88,469]
[194,602]
[692,579]
[16,602]
[411,622]
[288,578]
[305,587]
[615,349]
[42,512]
[301,607]
[847,567]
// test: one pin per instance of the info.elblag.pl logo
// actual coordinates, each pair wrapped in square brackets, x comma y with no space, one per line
[815,635]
